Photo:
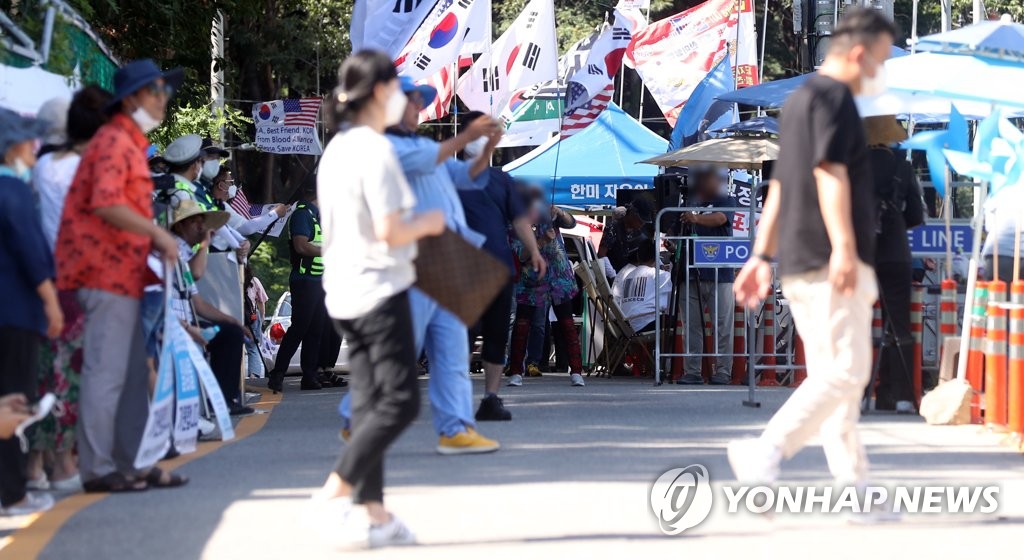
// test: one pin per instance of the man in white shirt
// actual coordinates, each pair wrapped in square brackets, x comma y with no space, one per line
[636,293]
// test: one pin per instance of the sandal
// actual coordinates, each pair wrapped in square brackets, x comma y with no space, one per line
[114,483]
[155,478]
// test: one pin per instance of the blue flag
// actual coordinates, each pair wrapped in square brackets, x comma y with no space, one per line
[703,111]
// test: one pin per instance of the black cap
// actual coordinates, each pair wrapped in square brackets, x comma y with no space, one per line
[210,149]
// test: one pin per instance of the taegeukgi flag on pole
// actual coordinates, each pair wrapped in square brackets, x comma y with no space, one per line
[674,54]
[526,54]
[453,29]
[387,25]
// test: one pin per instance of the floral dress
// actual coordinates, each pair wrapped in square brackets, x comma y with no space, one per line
[60,368]
[559,284]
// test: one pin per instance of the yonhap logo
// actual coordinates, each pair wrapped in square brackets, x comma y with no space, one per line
[681,499]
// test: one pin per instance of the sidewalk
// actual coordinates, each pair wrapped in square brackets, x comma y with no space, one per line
[572,481]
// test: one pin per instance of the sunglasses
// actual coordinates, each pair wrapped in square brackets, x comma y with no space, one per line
[157,88]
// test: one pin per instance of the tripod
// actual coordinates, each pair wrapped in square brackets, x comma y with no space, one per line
[888,340]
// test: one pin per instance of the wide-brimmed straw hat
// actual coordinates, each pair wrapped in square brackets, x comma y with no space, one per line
[884,130]
[189,208]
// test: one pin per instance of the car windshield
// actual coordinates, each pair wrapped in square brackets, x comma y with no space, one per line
[285,307]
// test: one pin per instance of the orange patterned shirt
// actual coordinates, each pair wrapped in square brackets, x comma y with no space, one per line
[92,253]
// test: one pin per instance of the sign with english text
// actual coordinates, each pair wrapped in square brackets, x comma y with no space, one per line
[288,126]
[727,253]
[930,239]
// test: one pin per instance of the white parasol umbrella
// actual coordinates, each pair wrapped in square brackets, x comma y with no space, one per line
[739,152]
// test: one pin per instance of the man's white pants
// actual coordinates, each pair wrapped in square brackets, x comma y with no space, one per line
[836,332]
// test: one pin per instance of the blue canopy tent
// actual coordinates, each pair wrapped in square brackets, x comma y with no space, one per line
[772,95]
[595,162]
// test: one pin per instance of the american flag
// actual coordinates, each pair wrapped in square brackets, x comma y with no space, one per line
[579,118]
[445,86]
[240,204]
[301,112]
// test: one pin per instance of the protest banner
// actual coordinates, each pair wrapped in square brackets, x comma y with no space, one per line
[288,126]
[673,55]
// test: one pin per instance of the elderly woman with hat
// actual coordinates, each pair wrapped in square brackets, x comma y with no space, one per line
[900,208]
[32,310]
[106,234]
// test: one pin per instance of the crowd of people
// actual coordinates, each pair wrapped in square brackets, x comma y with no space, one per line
[97,227]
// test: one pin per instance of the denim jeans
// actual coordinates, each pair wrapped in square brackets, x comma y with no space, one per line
[450,388]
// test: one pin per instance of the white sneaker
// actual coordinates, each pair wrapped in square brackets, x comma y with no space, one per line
[753,460]
[577,380]
[515,381]
[33,503]
[905,407]
[73,484]
[41,483]
[392,533]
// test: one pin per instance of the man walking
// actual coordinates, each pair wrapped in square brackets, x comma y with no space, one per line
[820,214]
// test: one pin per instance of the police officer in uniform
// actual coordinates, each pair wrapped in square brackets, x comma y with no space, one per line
[308,312]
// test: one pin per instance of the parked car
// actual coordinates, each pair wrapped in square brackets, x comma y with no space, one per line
[273,333]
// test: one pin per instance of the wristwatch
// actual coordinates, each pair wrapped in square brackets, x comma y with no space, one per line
[763,257]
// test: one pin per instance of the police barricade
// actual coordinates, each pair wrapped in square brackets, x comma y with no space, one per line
[769,338]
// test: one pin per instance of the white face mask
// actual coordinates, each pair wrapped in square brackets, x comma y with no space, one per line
[476,147]
[210,169]
[23,171]
[395,108]
[232,191]
[876,85]
[144,120]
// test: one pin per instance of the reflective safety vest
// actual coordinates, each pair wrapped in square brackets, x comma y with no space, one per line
[310,266]
[197,193]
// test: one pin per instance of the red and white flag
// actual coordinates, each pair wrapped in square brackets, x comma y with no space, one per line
[673,55]
[444,82]
[453,29]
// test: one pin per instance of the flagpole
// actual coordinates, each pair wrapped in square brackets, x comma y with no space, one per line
[561,122]
[640,114]
[764,41]
[736,62]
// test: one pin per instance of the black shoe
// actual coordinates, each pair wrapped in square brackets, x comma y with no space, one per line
[276,382]
[308,385]
[492,408]
[690,380]
[239,410]
[338,381]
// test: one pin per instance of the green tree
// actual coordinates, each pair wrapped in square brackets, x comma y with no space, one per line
[203,121]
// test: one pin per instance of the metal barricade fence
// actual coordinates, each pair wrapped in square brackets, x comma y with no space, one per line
[694,259]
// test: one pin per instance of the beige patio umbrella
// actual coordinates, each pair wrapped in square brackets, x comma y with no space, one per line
[737,152]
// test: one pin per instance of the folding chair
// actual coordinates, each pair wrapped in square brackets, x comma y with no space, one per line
[619,334]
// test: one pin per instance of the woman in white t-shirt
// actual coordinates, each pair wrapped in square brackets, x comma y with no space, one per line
[369,243]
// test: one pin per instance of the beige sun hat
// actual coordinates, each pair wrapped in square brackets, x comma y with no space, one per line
[884,130]
[189,208]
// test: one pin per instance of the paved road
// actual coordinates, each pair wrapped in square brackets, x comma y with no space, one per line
[572,481]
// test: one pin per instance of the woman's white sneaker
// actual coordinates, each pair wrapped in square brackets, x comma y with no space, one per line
[392,533]
[577,380]
[515,381]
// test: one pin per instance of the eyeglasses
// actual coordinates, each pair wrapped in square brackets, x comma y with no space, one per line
[157,88]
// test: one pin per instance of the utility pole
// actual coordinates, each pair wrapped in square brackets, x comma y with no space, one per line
[947,15]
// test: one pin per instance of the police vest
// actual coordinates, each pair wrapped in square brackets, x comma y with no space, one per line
[310,266]
[200,195]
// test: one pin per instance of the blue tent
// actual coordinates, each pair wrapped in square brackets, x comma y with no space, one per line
[772,95]
[595,162]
